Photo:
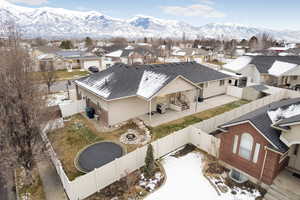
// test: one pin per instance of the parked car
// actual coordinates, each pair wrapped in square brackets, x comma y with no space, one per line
[93,69]
[296,87]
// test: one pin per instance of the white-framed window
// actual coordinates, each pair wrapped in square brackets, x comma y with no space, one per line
[235,143]
[246,145]
[256,153]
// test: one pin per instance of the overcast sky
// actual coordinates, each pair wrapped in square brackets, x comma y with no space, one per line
[277,14]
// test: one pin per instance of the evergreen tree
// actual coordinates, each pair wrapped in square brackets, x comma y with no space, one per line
[149,169]
[88,42]
[66,44]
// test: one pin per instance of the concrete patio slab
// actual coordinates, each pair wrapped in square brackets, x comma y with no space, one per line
[171,115]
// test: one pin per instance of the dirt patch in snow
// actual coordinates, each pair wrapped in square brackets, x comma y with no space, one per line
[133,186]
[184,151]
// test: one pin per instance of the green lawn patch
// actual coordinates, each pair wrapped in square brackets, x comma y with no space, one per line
[165,129]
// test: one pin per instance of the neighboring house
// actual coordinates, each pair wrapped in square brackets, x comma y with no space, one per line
[254,92]
[279,71]
[241,50]
[129,55]
[123,92]
[191,54]
[262,143]
[71,59]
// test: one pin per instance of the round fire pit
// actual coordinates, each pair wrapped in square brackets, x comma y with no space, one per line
[131,136]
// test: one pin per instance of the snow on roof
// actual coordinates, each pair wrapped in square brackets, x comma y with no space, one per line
[143,44]
[279,68]
[99,86]
[238,63]
[230,73]
[283,54]
[129,47]
[278,48]
[45,56]
[176,48]
[253,54]
[281,113]
[117,53]
[150,83]
[179,53]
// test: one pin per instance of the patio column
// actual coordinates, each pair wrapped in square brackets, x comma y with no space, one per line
[150,110]
[197,96]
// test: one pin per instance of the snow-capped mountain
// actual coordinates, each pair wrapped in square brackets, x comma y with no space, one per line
[59,22]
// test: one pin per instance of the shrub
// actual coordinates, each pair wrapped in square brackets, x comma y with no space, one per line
[149,168]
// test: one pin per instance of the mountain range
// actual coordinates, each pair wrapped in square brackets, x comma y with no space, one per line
[62,23]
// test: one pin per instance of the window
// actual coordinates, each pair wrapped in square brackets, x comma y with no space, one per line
[235,143]
[256,153]
[229,81]
[296,150]
[295,78]
[222,82]
[246,146]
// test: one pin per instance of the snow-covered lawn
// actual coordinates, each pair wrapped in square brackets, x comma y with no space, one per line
[185,180]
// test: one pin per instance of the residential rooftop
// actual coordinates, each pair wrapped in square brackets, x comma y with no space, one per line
[261,119]
[122,80]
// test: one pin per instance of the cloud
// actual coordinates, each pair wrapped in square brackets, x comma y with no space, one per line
[30,2]
[210,2]
[196,10]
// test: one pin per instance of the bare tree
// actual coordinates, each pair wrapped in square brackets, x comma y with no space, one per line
[48,74]
[265,41]
[22,107]
[253,43]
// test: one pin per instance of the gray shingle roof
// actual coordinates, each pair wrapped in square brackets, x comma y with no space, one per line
[264,63]
[124,80]
[259,88]
[283,122]
[262,122]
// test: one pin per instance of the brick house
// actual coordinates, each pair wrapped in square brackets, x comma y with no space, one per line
[253,145]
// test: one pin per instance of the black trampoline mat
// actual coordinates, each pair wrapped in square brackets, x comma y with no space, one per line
[98,155]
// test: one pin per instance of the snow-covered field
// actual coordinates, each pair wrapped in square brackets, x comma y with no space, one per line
[185,180]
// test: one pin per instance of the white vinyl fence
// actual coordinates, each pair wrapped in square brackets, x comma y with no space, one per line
[234,91]
[197,134]
[212,124]
[73,108]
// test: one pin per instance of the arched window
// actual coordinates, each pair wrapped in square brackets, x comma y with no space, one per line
[246,146]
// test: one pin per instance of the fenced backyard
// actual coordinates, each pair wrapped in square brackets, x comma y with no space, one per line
[196,134]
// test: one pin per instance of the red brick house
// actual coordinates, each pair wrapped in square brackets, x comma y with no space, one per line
[253,144]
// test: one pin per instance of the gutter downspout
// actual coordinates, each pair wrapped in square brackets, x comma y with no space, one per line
[263,167]
[150,111]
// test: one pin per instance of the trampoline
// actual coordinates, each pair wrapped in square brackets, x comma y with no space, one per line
[97,155]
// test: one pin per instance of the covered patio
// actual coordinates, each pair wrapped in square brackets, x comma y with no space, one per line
[170,115]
